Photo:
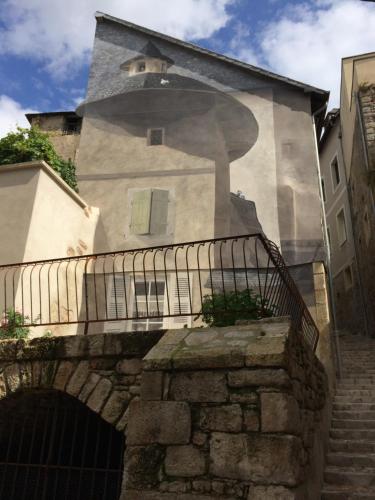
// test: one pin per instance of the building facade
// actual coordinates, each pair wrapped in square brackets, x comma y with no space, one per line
[347,165]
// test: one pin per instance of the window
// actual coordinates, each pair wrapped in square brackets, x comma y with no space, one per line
[149,212]
[323,190]
[72,125]
[348,278]
[141,67]
[148,304]
[341,227]
[155,136]
[335,172]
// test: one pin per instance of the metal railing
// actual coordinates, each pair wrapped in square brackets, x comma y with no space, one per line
[210,282]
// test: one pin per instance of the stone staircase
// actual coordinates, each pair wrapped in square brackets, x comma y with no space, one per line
[350,464]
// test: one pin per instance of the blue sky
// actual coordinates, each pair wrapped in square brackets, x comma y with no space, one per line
[45,45]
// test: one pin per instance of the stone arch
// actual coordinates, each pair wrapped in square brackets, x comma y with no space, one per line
[83,379]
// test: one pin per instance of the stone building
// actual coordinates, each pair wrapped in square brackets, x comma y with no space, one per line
[347,162]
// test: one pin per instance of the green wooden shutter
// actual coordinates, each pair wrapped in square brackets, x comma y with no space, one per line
[159,211]
[141,211]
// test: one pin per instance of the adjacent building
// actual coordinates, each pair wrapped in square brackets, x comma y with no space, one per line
[347,157]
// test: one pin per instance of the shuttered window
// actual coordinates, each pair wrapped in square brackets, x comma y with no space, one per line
[180,300]
[116,303]
[149,212]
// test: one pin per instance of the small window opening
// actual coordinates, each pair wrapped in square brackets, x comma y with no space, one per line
[341,227]
[155,137]
[141,67]
[335,172]
[348,278]
[72,125]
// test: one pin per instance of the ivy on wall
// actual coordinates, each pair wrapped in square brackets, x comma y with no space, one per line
[33,144]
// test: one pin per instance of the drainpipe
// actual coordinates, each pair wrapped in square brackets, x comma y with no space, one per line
[328,254]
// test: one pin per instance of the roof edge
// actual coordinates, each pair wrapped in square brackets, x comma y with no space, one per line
[101,16]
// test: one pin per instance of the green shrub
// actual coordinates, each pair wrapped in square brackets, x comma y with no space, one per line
[32,144]
[12,325]
[222,309]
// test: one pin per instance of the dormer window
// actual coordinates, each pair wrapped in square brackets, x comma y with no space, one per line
[141,67]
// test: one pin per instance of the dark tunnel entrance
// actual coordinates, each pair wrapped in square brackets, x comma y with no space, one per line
[53,447]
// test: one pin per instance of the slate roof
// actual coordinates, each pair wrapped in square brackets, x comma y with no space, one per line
[100,16]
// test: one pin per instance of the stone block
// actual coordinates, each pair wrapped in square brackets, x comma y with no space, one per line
[89,386]
[143,465]
[259,377]
[115,406]
[244,397]
[163,422]
[152,386]
[255,457]
[3,389]
[226,418]
[99,395]
[273,493]
[184,461]
[64,371]
[129,366]
[280,413]
[250,420]
[78,378]
[12,377]
[199,387]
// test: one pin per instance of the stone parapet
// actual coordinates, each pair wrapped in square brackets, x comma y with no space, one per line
[236,413]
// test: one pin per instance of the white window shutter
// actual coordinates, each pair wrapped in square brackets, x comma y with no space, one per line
[141,212]
[116,307]
[180,300]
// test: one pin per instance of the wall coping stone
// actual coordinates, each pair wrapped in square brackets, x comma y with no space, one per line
[80,346]
[251,343]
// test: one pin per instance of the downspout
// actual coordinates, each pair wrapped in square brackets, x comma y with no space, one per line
[326,240]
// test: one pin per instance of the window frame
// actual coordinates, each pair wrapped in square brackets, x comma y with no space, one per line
[338,214]
[149,136]
[335,161]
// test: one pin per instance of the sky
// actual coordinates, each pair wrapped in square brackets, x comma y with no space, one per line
[45,45]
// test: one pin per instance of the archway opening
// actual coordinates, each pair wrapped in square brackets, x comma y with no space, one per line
[53,447]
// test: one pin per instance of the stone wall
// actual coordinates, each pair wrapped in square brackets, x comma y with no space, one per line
[236,413]
[102,371]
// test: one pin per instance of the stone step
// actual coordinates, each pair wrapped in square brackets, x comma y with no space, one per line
[350,476]
[353,434]
[352,446]
[356,392]
[352,424]
[347,493]
[355,414]
[355,387]
[356,460]
[354,406]
[353,398]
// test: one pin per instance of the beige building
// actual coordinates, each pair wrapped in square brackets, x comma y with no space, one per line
[175,143]
[347,163]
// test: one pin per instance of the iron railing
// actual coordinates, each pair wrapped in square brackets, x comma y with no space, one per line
[215,281]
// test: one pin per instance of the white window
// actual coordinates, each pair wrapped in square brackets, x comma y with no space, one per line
[149,212]
[335,173]
[155,136]
[329,242]
[116,302]
[348,278]
[148,305]
[341,227]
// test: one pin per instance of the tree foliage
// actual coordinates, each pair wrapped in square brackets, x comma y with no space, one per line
[33,144]
[224,309]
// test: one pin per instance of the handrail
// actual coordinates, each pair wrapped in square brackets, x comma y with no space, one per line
[213,281]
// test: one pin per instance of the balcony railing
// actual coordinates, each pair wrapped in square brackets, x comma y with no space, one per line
[210,282]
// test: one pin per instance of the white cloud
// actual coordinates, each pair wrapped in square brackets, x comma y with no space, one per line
[308,43]
[12,115]
[239,46]
[60,32]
